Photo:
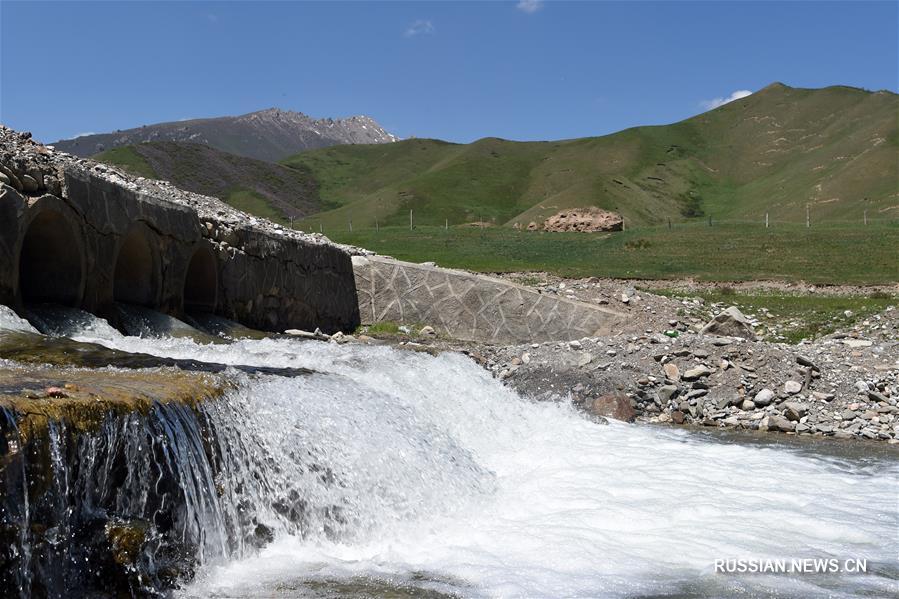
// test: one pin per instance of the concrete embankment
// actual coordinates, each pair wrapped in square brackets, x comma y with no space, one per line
[472,307]
[77,233]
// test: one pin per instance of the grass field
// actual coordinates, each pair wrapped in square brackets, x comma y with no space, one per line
[822,255]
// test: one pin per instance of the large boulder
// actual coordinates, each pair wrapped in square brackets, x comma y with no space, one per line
[730,323]
[586,220]
[617,406]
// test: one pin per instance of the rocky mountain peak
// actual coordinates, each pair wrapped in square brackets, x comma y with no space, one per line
[271,134]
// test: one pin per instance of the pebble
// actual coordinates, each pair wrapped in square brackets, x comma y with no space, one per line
[779,423]
[672,372]
[856,343]
[794,410]
[694,373]
[666,392]
[792,387]
[764,397]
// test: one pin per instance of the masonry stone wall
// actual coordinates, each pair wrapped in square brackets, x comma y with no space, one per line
[95,242]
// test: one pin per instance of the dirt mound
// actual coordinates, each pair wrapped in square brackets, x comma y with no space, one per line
[585,220]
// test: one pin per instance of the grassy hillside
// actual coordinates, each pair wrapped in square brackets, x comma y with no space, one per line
[850,254]
[128,159]
[775,151]
[262,188]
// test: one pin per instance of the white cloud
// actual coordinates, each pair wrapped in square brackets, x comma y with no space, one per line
[529,6]
[716,102]
[419,27]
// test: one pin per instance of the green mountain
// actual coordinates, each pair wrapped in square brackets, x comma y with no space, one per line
[775,151]
[262,188]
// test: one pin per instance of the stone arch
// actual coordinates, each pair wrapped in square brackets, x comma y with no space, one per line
[136,278]
[201,281]
[51,259]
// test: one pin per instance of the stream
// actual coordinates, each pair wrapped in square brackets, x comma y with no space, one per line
[371,471]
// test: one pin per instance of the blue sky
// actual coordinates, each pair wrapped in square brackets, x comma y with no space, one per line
[451,70]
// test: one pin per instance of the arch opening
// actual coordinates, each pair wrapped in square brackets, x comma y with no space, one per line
[201,282]
[135,278]
[50,261]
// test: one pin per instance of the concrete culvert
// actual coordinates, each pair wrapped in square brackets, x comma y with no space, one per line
[137,269]
[50,262]
[201,282]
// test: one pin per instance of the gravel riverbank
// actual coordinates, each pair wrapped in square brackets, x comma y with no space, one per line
[662,368]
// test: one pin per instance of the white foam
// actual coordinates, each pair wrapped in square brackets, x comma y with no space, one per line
[549,504]
[10,321]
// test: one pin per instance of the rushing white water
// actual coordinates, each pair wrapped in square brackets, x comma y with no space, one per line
[454,476]
[430,473]
[60,321]
[10,321]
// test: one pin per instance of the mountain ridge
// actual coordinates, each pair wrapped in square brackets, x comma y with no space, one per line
[270,134]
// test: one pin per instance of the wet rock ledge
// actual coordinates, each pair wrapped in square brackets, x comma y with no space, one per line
[95,487]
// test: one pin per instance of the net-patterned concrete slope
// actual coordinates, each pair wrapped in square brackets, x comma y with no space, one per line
[470,306]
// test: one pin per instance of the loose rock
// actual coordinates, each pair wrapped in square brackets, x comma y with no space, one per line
[615,406]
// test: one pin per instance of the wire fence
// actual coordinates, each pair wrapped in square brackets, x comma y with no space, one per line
[765,220]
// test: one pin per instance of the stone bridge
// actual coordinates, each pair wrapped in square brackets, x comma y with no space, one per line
[72,234]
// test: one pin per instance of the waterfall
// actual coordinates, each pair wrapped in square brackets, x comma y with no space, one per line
[388,471]
[143,477]
[145,322]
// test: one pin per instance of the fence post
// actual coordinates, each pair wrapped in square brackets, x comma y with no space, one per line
[410,219]
[377,226]
[766,220]
[710,220]
[321,228]
[808,221]
[446,224]
[866,218]
[351,225]
[669,224]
